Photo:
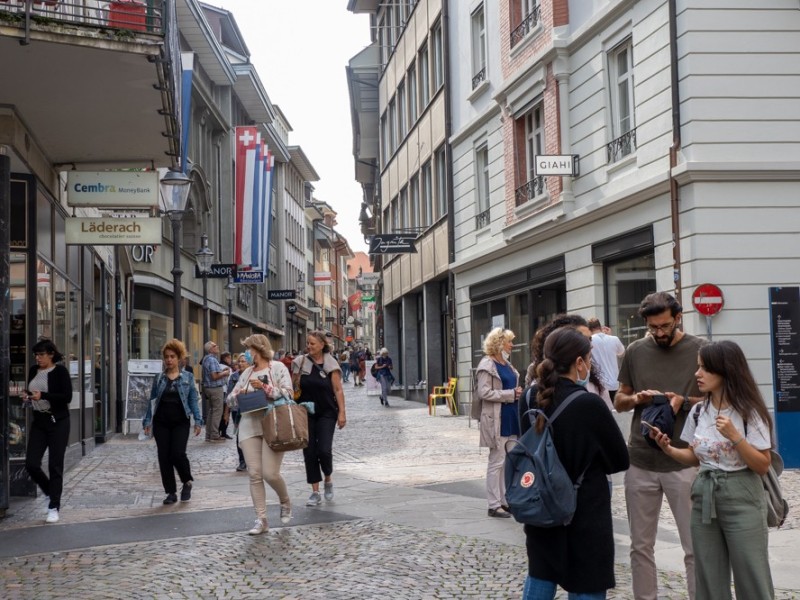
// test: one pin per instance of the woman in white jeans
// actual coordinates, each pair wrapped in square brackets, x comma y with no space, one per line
[263,464]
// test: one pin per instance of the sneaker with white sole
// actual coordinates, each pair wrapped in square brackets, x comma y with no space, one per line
[286,513]
[259,528]
[52,515]
[314,499]
[329,491]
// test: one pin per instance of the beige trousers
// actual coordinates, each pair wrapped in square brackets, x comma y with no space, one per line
[263,464]
[495,475]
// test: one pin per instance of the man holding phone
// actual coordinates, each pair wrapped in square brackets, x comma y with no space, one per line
[661,364]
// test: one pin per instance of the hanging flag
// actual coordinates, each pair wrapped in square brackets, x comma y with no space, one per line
[247,140]
[269,170]
[187,66]
[322,278]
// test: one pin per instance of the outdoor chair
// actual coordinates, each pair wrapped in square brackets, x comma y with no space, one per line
[446,392]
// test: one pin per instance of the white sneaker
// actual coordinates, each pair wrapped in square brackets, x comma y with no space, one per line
[286,513]
[314,499]
[52,515]
[259,528]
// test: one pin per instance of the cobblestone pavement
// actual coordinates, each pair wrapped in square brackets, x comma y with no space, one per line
[384,458]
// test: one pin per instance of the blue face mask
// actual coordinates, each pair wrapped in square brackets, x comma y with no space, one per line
[584,382]
[248,357]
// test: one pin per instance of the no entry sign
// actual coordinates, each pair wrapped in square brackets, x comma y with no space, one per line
[707,299]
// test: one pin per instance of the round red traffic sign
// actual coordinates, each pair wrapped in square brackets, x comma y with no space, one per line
[707,299]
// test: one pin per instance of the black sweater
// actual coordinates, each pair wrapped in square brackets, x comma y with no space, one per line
[580,556]
[59,385]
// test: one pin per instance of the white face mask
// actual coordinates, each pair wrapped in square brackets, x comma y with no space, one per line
[506,355]
[585,381]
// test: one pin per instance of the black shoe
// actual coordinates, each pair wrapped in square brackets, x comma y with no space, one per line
[241,467]
[226,436]
[186,492]
[171,499]
[382,401]
[499,513]
[386,403]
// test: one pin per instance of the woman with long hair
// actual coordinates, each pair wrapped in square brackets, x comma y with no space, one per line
[497,393]
[579,557]
[730,437]
[263,463]
[173,400]
[49,394]
[320,379]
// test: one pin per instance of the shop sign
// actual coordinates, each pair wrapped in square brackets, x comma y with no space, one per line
[112,189]
[104,231]
[556,164]
[249,277]
[281,294]
[369,278]
[392,243]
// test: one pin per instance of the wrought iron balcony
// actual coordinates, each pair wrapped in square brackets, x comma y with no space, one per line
[479,77]
[622,146]
[140,16]
[528,23]
[482,219]
[531,189]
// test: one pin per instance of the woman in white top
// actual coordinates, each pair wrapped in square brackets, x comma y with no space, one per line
[263,464]
[729,437]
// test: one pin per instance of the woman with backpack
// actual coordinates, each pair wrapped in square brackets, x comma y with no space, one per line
[579,557]
[729,437]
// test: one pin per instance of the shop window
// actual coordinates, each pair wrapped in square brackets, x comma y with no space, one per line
[44,227]
[628,281]
[18,355]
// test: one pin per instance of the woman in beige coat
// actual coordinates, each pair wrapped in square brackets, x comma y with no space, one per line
[495,404]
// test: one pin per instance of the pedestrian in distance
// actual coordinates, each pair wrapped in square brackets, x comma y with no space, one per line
[384,375]
[287,359]
[495,406]
[263,463]
[173,401]
[658,368]
[320,379]
[355,366]
[215,375]
[49,394]
[607,350]
[731,442]
[226,361]
[579,557]
[344,363]
[242,362]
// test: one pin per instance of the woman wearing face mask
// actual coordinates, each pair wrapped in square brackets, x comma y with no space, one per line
[245,360]
[495,405]
[579,557]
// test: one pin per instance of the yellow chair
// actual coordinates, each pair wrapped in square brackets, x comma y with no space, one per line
[448,392]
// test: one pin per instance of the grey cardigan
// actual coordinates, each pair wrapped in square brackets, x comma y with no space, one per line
[489,396]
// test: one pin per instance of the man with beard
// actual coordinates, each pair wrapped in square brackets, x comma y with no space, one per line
[662,363]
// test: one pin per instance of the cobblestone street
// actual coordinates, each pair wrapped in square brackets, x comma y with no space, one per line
[408,521]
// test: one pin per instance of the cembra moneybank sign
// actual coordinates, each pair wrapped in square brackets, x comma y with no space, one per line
[112,231]
[112,189]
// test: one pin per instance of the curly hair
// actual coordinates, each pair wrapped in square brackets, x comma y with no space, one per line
[260,343]
[561,349]
[176,346]
[493,344]
[322,337]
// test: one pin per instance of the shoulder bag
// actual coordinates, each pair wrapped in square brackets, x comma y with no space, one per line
[296,380]
[285,425]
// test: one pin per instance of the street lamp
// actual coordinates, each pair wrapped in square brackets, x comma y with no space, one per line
[175,187]
[204,257]
[230,293]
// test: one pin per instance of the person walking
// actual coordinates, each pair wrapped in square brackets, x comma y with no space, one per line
[497,394]
[320,379]
[263,463]
[661,364]
[730,437]
[355,367]
[49,394]
[344,363]
[579,557]
[384,375]
[226,361]
[173,400]
[214,377]
[242,362]
[607,350]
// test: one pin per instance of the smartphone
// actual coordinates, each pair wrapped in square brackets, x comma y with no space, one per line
[650,426]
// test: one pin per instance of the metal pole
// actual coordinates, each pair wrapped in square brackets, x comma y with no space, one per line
[176,274]
[708,328]
[230,325]
[205,308]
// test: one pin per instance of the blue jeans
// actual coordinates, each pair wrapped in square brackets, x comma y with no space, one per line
[539,589]
[386,386]
[345,371]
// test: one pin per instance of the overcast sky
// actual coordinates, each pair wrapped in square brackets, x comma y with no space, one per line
[300,49]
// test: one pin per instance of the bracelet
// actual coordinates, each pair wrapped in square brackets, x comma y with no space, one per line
[739,441]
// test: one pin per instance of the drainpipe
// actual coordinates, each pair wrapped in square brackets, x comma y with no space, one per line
[448,154]
[674,195]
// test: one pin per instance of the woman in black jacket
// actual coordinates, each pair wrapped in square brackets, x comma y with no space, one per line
[49,394]
[579,557]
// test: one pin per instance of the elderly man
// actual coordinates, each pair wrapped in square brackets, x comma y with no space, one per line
[214,377]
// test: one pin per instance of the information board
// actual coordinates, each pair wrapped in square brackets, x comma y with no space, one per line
[784,305]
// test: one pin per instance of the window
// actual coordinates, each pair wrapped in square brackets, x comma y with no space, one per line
[426,191]
[411,78]
[623,127]
[403,208]
[438,58]
[395,215]
[534,137]
[384,140]
[402,108]
[529,141]
[478,47]
[413,202]
[525,16]
[627,282]
[441,183]
[482,186]
[383,40]
[424,76]
[390,34]
[392,126]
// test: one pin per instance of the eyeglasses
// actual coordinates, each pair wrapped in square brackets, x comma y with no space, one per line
[40,353]
[662,328]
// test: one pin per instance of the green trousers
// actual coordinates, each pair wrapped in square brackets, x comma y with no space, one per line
[729,532]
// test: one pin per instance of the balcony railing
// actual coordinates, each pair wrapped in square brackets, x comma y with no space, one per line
[478,78]
[145,16]
[622,146]
[529,190]
[482,219]
[528,23]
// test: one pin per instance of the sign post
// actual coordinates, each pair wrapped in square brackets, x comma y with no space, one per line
[708,300]
[784,308]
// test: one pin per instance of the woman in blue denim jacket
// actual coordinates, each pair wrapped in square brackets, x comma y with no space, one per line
[173,399]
